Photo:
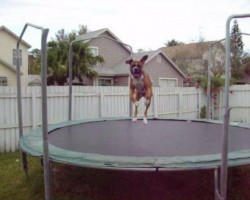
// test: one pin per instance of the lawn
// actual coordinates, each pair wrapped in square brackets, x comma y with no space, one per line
[74,183]
[14,185]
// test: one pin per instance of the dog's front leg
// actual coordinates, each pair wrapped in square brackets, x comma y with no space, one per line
[135,102]
[147,104]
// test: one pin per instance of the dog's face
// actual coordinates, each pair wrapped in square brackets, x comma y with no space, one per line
[136,66]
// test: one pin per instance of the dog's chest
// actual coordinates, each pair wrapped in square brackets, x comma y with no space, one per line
[139,85]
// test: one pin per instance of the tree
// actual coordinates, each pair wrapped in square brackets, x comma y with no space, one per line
[173,42]
[236,52]
[34,62]
[58,57]
[246,63]
[82,29]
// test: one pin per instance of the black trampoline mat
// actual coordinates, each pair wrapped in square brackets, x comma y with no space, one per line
[160,138]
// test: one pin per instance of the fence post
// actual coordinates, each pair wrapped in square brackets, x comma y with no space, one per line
[155,105]
[34,110]
[101,103]
[179,103]
[72,106]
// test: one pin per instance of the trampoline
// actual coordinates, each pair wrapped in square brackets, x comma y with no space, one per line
[163,144]
[121,144]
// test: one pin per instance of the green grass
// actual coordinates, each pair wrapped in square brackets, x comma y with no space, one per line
[14,185]
[75,183]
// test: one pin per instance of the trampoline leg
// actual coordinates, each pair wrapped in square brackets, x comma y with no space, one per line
[217,195]
[24,161]
[51,180]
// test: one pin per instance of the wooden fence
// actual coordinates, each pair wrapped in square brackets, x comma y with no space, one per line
[95,102]
[88,102]
[239,101]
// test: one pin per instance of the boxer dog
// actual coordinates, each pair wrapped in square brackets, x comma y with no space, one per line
[140,86]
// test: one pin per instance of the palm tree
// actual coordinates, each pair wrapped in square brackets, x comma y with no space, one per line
[58,59]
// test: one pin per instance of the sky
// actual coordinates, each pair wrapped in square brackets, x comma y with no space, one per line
[143,24]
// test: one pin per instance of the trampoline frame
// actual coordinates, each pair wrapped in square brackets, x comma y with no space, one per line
[220,191]
[31,144]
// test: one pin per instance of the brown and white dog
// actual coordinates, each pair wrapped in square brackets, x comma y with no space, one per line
[140,86]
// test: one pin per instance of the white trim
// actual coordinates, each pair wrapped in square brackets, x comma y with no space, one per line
[176,81]
[103,78]
[94,47]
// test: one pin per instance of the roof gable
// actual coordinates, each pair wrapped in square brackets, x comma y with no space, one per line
[92,34]
[3,28]
[7,65]
[99,33]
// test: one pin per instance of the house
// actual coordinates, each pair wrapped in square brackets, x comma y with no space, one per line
[114,71]
[192,58]
[8,42]
[34,80]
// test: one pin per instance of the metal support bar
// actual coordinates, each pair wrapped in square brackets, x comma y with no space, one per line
[70,80]
[71,63]
[224,155]
[23,155]
[216,185]
[209,83]
[46,163]
[47,179]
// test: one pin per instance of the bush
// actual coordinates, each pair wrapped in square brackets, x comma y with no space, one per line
[216,82]
[203,112]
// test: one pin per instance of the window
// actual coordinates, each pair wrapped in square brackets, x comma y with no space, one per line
[3,81]
[105,82]
[168,82]
[15,57]
[94,51]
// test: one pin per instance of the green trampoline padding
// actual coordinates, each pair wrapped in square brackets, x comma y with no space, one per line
[121,144]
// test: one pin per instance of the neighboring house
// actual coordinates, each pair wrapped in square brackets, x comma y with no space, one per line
[192,58]
[114,71]
[8,42]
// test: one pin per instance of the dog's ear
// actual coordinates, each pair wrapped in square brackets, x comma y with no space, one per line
[129,61]
[144,58]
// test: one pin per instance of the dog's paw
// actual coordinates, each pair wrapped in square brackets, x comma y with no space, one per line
[134,119]
[145,121]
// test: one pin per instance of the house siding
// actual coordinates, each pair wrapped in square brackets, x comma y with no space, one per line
[121,81]
[87,81]
[111,51]
[7,44]
[10,74]
[162,69]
